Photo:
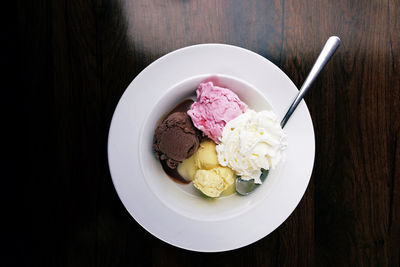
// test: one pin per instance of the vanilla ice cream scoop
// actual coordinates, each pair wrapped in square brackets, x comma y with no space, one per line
[214,181]
[251,142]
[204,170]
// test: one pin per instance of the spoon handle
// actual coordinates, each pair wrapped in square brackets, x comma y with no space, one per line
[329,49]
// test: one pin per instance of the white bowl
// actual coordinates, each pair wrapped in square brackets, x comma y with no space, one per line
[175,213]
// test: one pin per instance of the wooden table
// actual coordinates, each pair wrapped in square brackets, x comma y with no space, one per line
[77,58]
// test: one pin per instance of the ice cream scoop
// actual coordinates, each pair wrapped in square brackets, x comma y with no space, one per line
[207,174]
[213,182]
[215,106]
[175,139]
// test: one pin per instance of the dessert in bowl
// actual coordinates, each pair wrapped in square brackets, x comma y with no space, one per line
[195,202]
[177,213]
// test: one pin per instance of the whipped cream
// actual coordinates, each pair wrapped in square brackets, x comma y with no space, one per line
[252,141]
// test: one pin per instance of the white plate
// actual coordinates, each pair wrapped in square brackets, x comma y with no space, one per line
[175,215]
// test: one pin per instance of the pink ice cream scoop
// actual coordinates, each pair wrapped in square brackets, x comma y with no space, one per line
[215,106]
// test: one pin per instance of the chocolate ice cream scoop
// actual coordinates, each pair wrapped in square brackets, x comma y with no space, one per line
[176,139]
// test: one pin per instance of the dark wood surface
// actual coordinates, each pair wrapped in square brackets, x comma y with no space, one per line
[75,58]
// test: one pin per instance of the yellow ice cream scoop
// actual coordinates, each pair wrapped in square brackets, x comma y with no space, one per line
[213,182]
[204,170]
[206,156]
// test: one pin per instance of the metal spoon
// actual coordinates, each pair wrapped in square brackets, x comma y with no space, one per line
[245,187]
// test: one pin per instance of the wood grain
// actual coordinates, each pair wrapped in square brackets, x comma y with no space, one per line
[77,57]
